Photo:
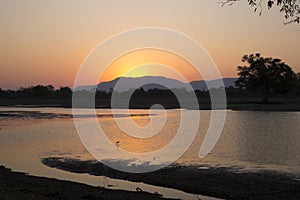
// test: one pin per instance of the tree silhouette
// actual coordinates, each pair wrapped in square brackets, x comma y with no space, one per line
[42,91]
[298,81]
[290,8]
[268,74]
[64,92]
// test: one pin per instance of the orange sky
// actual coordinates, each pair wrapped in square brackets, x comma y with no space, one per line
[147,62]
[45,42]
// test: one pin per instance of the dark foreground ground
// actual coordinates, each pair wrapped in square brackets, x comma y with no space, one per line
[219,182]
[19,186]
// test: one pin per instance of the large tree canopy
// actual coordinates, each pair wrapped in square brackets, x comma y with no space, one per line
[267,74]
[290,8]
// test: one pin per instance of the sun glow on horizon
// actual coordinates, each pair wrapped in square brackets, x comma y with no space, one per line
[46,42]
[151,62]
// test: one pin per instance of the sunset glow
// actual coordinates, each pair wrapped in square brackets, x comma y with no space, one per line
[158,99]
[150,62]
[46,42]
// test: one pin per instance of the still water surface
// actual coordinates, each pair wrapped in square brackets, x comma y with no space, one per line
[249,141]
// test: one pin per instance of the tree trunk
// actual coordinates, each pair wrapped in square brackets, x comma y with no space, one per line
[267,94]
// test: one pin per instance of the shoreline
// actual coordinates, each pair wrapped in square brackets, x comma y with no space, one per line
[214,182]
[293,106]
[18,185]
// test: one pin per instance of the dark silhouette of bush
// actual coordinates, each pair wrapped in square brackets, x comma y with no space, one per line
[266,74]
[37,92]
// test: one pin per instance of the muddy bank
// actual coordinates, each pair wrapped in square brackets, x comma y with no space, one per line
[40,115]
[250,104]
[223,183]
[15,185]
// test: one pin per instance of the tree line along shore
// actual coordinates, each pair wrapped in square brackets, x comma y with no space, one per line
[237,98]
[261,82]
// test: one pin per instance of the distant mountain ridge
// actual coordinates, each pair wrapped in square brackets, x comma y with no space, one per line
[122,84]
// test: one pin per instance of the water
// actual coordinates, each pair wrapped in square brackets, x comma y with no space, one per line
[249,141]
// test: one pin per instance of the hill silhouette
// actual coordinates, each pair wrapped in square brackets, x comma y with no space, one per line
[146,91]
[156,82]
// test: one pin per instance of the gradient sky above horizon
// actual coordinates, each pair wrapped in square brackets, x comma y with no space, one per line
[45,42]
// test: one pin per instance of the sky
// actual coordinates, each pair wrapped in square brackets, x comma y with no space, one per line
[45,42]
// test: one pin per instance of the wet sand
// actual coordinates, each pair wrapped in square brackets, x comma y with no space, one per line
[224,183]
[15,185]
[41,115]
